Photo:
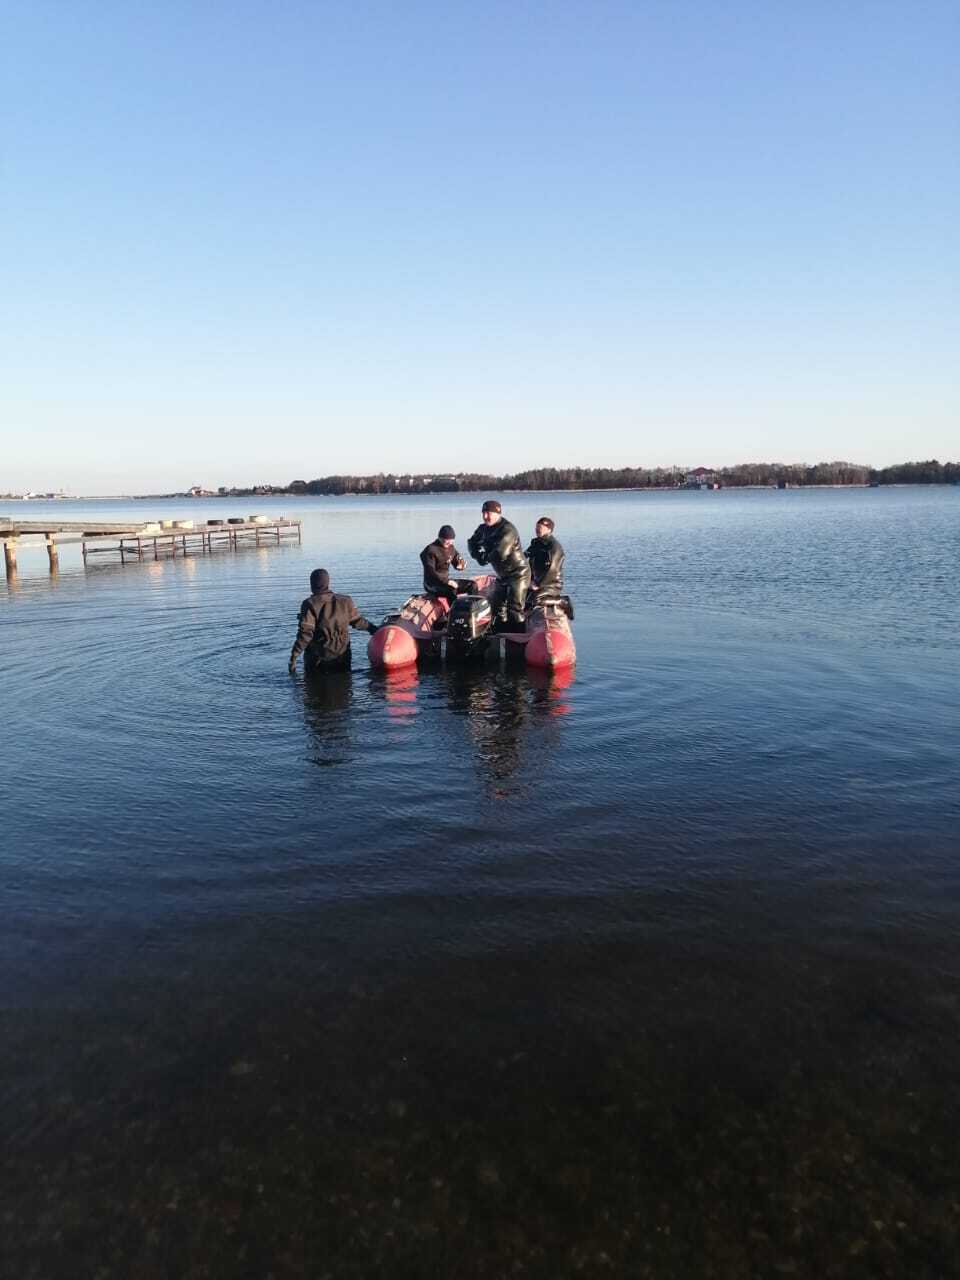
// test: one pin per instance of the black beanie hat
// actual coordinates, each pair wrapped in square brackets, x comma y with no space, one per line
[319,581]
[446,531]
[491,504]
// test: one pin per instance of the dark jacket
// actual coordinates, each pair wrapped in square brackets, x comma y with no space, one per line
[436,560]
[546,563]
[499,546]
[324,619]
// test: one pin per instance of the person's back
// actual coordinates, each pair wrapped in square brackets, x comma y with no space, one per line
[322,635]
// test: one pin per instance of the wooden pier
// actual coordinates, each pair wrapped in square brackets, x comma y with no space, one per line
[148,539]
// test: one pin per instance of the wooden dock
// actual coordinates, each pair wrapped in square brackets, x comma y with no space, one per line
[148,539]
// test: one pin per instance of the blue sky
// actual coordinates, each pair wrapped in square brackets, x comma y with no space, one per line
[257,242]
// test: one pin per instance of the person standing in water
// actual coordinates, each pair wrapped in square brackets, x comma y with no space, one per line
[322,636]
[497,543]
[436,558]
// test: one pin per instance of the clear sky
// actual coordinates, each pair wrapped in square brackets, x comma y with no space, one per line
[247,242]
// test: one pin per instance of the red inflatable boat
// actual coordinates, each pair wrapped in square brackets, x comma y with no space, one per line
[425,626]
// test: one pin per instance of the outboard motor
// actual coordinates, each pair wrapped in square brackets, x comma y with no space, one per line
[468,623]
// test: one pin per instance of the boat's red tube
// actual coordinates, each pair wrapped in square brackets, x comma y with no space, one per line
[392,646]
[550,643]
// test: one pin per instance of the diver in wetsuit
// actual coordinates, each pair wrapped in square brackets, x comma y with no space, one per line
[545,555]
[436,559]
[322,636]
[497,543]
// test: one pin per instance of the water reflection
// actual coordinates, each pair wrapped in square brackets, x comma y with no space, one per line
[510,714]
[327,701]
[495,707]
[400,692]
[505,711]
[550,688]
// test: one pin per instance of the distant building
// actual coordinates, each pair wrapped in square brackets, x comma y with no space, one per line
[198,491]
[701,478]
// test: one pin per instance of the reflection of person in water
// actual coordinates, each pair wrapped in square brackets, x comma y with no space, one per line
[327,699]
[495,708]
[502,709]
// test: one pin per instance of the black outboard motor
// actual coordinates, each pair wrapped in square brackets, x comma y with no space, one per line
[468,624]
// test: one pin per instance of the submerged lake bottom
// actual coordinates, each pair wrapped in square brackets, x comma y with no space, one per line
[649,970]
[726,1110]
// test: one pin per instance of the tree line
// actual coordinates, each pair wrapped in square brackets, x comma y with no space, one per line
[573,478]
[931,472]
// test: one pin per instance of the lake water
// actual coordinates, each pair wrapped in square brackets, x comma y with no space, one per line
[650,970]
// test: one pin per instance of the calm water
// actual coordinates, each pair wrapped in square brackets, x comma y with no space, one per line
[651,971]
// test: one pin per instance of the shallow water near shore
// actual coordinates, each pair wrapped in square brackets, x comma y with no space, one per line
[649,969]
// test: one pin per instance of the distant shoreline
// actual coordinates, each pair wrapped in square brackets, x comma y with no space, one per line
[227,497]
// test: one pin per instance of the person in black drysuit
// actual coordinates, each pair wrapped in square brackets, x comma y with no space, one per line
[436,559]
[497,543]
[322,637]
[546,561]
